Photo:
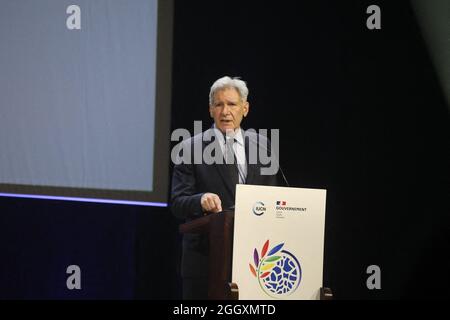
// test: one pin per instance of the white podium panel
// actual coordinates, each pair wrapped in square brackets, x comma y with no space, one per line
[278,242]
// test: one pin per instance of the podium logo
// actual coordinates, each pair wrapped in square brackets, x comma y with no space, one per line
[259,209]
[282,208]
[278,271]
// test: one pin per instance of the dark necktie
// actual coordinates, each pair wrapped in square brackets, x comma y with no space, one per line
[231,161]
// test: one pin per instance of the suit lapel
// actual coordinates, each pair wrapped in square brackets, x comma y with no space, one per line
[221,168]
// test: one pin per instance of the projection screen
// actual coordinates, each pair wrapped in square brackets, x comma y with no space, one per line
[85,99]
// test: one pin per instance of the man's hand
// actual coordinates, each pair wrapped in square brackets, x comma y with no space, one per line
[211,203]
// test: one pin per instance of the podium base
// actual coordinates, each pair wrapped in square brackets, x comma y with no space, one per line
[326,294]
[233,292]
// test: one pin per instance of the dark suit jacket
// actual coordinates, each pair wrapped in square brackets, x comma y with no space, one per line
[191,181]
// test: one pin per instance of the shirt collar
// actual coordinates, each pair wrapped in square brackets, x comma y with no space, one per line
[238,137]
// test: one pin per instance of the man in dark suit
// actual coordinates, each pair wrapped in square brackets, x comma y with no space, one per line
[208,186]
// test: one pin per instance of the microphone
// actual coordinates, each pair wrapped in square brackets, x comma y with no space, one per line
[279,166]
[284,177]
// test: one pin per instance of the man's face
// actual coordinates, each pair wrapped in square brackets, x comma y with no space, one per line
[228,109]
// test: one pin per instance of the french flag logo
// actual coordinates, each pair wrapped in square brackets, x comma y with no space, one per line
[281,203]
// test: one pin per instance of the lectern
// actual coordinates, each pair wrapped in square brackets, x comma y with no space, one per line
[220,229]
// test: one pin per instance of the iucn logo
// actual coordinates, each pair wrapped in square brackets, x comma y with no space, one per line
[259,208]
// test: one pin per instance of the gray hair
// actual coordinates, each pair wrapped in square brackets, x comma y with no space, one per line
[227,83]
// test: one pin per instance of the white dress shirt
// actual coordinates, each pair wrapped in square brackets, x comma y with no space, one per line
[239,151]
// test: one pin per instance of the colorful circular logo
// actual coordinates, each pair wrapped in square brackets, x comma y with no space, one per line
[278,271]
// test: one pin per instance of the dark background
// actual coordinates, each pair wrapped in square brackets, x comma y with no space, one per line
[361,113]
